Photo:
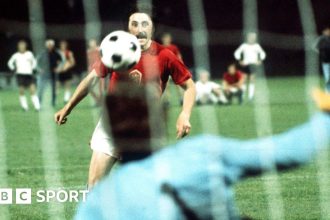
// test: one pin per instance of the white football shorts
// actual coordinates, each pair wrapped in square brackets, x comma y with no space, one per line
[102,142]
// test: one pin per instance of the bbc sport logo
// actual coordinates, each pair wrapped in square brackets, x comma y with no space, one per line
[25,196]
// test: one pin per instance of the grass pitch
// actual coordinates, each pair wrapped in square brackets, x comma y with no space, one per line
[26,169]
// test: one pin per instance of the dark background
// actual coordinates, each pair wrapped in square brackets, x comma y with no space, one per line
[278,21]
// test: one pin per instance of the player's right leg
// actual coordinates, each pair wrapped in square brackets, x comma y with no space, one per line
[100,166]
[34,97]
[104,154]
[21,87]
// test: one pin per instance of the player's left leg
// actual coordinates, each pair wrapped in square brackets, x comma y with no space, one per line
[67,90]
[100,166]
[34,97]
[251,86]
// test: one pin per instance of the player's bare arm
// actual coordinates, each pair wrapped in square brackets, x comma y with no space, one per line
[225,86]
[240,83]
[80,93]
[183,125]
[72,59]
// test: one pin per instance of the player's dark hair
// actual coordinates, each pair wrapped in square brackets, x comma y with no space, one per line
[233,64]
[129,117]
[22,40]
[128,113]
[166,34]
[142,8]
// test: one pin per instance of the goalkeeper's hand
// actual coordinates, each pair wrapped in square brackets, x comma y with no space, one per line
[321,99]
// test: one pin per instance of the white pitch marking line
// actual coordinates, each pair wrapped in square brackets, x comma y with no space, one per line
[263,118]
[48,141]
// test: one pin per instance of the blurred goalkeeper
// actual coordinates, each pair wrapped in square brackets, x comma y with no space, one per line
[194,178]
[156,66]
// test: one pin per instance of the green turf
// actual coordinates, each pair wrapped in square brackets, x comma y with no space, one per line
[299,188]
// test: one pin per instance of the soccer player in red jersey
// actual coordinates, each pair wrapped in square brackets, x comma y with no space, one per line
[167,42]
[233,83]
[155,67]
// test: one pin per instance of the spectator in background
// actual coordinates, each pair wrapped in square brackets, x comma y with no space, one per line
[208,92]
[250,55]
[167,42]
[23,64]
[48,63]
[93,55]
[323,47]
[233,83]
[65,72]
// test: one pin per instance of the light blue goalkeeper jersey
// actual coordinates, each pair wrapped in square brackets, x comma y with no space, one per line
[193,179]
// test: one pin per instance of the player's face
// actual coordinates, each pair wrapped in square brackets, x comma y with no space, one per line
[21,46]
[50,45]
[231,69]
[63,45]
[251,38]
[204,77]
[92,44]
[326,32]
[167,39]
[141,26]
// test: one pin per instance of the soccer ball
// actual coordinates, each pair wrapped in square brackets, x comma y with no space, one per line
[120,51]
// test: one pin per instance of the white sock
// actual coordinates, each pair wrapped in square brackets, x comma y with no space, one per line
[35,101]
[67,96]
[251,91]
[23,101]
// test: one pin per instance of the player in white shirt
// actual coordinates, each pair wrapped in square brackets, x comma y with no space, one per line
[23,63]
[208,92]
[250,55]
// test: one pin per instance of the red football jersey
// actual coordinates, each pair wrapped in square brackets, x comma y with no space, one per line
[156,65]
[232,79]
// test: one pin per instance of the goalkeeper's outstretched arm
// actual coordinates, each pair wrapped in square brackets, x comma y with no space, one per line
[293,148]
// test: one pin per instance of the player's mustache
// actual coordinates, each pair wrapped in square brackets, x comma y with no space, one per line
[141,35]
